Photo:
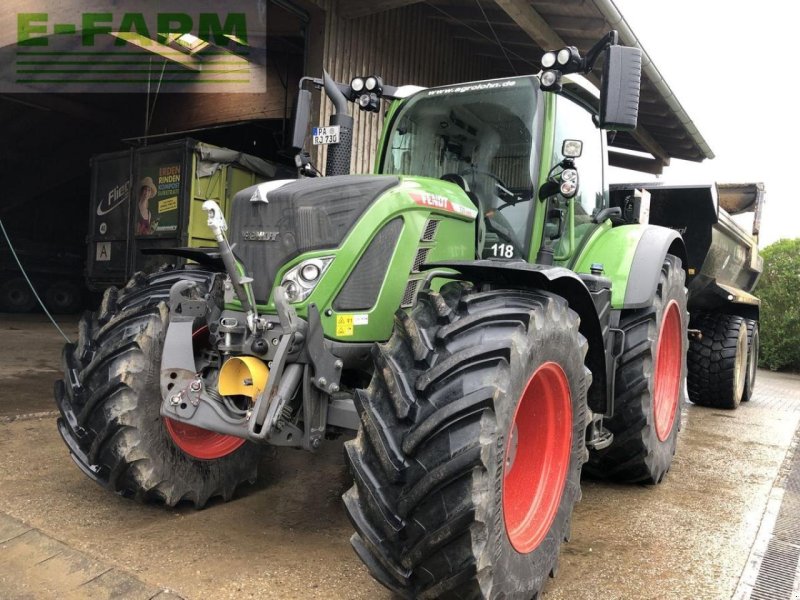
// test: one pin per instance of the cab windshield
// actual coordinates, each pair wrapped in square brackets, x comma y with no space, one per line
[479,136]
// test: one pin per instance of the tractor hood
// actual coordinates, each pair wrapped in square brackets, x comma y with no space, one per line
[271,225]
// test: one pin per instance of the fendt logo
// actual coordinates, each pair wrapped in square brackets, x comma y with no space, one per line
[90,46]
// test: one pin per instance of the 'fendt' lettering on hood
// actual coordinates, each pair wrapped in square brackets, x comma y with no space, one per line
[442,203]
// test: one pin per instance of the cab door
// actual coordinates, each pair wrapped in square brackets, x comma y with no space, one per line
[570,222]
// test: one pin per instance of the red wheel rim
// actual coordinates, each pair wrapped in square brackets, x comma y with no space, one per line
[537,457]
[197,442]
[668,371]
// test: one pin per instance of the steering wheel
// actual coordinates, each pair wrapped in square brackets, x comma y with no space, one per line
[499,181]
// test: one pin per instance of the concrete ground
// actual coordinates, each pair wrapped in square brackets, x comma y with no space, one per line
[63,536]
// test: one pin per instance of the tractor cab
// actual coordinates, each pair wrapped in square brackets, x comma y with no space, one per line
[502,141]
[482,137]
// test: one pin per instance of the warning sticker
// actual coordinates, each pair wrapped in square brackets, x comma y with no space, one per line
[344,325]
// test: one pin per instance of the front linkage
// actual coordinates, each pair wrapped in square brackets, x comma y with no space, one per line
[245,387]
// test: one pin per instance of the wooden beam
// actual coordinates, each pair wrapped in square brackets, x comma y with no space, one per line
[635,163]
[531,23]
[352,9]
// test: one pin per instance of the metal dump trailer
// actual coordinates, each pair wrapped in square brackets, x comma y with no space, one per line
[724,267]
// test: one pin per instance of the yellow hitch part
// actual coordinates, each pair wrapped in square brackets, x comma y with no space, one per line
[243,376]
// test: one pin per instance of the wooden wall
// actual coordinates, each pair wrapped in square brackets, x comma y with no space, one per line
[405,46]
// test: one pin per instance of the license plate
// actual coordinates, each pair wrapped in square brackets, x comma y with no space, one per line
[325,135]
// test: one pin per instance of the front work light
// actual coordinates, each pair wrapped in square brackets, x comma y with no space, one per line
[551,81]
[357,84]
[572,148]
[548,60]
[374,84]
[369,102]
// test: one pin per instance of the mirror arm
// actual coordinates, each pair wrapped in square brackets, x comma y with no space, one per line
[610,39]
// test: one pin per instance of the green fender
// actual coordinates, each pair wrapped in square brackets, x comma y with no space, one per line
[631,256]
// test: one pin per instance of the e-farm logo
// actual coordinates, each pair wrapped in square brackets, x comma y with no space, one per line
[135,50]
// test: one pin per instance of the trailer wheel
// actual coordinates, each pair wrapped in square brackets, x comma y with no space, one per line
[467,463]
[63,297]
[718,361]
[753,348]
[649,391]
[110,400]
[16,296]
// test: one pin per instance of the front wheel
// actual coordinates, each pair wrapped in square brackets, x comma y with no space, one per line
[110,401]
[467,463]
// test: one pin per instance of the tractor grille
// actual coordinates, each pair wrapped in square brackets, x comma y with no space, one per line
[429,233]
[419,260]
[360,291]
[410,293]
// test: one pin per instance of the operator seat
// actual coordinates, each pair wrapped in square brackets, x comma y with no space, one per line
[480,222]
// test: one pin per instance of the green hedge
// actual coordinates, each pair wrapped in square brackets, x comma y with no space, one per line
[779,290]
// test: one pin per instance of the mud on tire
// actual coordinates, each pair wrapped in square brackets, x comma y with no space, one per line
[642,451]
[110,397]
[431,457]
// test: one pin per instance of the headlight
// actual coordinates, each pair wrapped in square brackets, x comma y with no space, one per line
[300,280]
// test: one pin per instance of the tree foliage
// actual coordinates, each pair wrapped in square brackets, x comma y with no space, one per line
[779,290]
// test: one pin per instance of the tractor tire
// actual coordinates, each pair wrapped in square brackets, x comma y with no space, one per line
[753,349]
[467,463]
[718,360]
[649,390]
[63,297]
[110,398]
[16,296]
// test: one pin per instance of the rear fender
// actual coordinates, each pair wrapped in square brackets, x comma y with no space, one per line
[560,281]
[632,256]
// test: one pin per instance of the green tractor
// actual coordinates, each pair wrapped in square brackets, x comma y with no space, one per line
[474,312]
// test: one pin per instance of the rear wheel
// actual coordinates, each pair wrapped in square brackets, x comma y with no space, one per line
[467,464]
[718,360]
[753,348]
[111,397]
[649,388]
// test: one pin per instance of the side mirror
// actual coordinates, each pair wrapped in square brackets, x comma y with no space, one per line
[619,93]
[302,112]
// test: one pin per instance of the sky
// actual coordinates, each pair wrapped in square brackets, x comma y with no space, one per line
[731,64]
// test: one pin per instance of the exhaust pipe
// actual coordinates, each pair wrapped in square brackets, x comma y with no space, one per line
[338,162]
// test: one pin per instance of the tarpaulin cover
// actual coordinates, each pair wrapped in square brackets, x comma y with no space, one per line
[212,157]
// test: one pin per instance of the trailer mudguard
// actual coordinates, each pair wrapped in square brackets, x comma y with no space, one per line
[631,256]
[560,281]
